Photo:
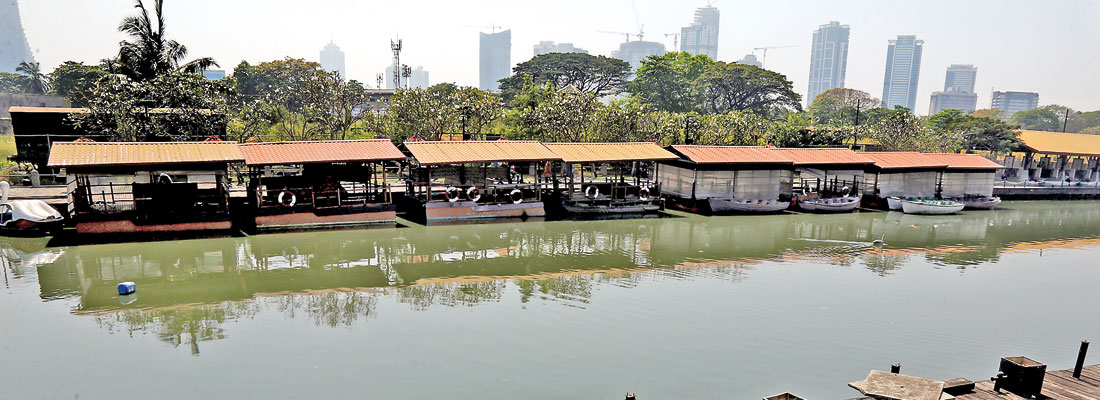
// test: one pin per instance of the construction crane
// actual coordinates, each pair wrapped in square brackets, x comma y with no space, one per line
[675,41]
[627,34]
[493,27]
[764,54]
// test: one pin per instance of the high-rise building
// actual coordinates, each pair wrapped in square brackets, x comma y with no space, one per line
[418,78]
[701,37]
[496,59]
[960,77]
[547,47]
[332,59]
[1014,102]
[899,87]
[828,59]
[14,48]
[636,51]
[953,99]
[750,59]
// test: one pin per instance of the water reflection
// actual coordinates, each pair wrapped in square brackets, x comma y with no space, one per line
[187,290]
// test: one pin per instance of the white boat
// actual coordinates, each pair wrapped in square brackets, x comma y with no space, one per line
[894,203]
[931,207]
[832,204]
[982,203]
[26,215]
[747,206]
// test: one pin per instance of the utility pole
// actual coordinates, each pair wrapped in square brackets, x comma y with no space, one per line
[1065,123]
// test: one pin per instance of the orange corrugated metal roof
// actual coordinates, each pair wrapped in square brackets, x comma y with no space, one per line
[433,153]
[1070,144]
[824,156]
[610,152]
[93,154]
[903,160]
[963,161]
[732,154]
[64,110]
[321,151]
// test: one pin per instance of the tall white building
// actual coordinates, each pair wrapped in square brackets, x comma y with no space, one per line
[828,59]
[495,61]
[899,87]
[332,59]
[701,37]
[750,59]
[14,48]
[547,47]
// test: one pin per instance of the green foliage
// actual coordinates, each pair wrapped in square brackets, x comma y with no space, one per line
[598,75]
[902,131]
[74,80]
[665,82]
[176,105]
[1039,119]
[148,53]
[989,113]
[945,119]
[37,82]
[441,109]
[728,87]
[978,133]
[842,106]
[14,83]
[268,78]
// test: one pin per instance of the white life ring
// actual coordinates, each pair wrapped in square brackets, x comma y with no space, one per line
[164,178]
[282,198]
[512,196]
[449,197]
[473,193]
[643,194]
[592,192]
[846,190]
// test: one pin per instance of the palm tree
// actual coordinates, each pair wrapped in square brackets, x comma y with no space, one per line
[148,53]
[38,82]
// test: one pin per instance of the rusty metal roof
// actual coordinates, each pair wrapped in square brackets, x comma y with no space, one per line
[434,153]
[322,151]
[964,161]
[610,152]
[903,160]
[107,154]
[732,155]
[824,156]
[1070,144]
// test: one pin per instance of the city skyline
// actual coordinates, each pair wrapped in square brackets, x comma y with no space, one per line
[828,59]
[441,40]
[902,75]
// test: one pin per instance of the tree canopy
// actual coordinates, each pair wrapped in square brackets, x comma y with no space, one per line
[148,53]
[598,75]
[666,82]
[728,87]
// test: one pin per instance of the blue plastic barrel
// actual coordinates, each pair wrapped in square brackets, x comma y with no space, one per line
[127,287]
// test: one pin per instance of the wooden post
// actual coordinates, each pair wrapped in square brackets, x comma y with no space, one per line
[895,369]
[1081,359]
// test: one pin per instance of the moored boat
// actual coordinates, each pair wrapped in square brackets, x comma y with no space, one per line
[26,216]
[981,203]
[747,206]
[832,204]
[931,207]
[894,203]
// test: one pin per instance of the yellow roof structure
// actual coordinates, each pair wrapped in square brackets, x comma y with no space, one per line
[1068,144]
[110,154]
[437,153]
[610,152]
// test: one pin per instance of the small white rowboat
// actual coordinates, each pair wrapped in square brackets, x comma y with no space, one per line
[894,203]
[982,203]
[931,207]
[834,204]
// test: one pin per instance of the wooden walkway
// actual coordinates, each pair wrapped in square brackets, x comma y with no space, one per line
[1057,385]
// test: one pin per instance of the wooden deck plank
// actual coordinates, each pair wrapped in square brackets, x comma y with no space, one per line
[1057,385]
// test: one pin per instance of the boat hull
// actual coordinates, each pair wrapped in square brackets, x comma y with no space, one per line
[831,205]
[986,203]
[468,210]
[923,208]
[746,206]
[893,203]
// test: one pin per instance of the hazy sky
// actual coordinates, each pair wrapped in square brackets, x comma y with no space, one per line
[1052,47]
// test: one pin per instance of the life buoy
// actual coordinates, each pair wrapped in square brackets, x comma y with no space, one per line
[164,178]
[846,190]
[449,197]
[473,193]
[592,192]
[643,194]
[282,198]
[516,196]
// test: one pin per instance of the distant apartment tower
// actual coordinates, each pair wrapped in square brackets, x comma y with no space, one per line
[828,59]
[495,59]
[418,78]
[961,77]
[701,37]
[899,87]
[547,47]
[1014,102]
[636,51]
[750,59]
[332,59]
[958,90]
[14,48]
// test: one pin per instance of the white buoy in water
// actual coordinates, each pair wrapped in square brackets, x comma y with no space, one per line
[125,288]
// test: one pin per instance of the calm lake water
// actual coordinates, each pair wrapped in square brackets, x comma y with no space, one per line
[736,307]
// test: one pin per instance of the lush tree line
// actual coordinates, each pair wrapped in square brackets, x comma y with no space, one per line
[674,98]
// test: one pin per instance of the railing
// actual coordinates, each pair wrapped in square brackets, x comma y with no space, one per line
[345,194]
